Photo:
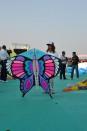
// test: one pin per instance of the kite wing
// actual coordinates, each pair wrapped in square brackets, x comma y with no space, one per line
[22,69]
[48,68]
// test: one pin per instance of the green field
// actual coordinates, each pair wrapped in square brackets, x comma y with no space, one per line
[38,112]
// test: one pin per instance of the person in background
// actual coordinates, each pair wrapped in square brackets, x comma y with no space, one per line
[75,61]
[64,60]
[13,54]
[51,51]
[3,56]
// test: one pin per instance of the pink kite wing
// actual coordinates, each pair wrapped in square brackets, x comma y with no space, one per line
[51,66]
[18,69]
[48,66]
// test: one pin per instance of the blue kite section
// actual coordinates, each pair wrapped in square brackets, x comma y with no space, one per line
[33,53]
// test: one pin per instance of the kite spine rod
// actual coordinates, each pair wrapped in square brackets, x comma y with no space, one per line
[36,68]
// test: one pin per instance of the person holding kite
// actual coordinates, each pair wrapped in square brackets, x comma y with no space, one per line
[52,51]
[33,68]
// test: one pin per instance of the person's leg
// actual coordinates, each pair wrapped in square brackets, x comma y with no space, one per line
[50,93]
[49,89]
[72,72]
[51,83]
[77,71]
[5,78]
[64,71]
[23,94]
[4,71]
[61,72]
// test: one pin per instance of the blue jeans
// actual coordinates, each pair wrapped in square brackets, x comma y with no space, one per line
[74,67]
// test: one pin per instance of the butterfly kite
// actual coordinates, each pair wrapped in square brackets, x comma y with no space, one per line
[33,67]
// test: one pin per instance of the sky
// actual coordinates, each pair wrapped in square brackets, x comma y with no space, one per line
[38,22]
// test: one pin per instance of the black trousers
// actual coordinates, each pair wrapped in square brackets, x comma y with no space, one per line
[3,70]
[62,71]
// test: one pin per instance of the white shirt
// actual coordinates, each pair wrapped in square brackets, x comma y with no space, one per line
[53,54]
[3,54]
[63,59]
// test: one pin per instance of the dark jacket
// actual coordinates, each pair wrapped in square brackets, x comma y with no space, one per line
[75,60]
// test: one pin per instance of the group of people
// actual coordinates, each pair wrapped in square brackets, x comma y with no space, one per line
[50,50]
[64,60]
[4,56]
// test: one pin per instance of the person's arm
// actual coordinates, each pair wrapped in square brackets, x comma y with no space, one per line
[7,55]
[66,59]
[72,61]
[78,59]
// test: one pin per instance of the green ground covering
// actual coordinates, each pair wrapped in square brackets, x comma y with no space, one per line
[38,112]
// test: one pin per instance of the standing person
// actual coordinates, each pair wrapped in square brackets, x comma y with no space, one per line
[75,61]
[51,51]
[3,56]
[64,60]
